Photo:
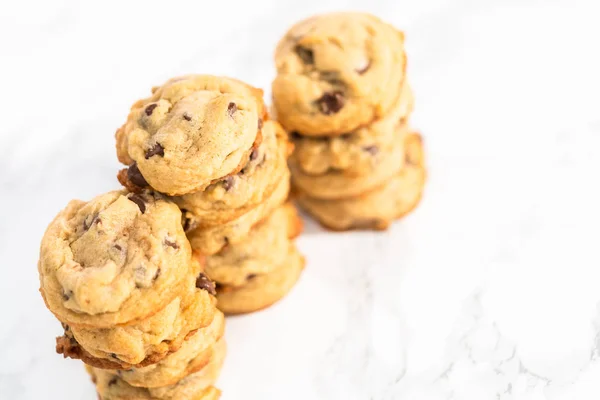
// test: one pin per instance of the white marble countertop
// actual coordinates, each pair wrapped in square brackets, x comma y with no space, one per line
[490,290]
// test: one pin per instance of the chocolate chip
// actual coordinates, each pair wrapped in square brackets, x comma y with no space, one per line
[150,109]
[254,154]
[331,102]
[157,149]
[250,277]
[119,248]
[189,224]
[231,109]
[113,381]
[306,55]
[345,136]
[373,150]
[187,117]
[139,200]
[67,295]
[156,275]
[364,68]
[228,182]
[260,123]
[135,176]
[174,245]
[113,355]
[202,282]
[295,135]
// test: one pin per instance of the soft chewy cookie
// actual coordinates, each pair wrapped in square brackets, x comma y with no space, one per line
[264,249]
[192,131]
[211,240]
[341,184]
[378,208]
[150,340]
[261,291]
[356,152]
[195,353]
[114,260]
[234,195]
[337,72]
[197,386]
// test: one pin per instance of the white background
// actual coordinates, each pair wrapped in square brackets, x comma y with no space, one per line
[490,290]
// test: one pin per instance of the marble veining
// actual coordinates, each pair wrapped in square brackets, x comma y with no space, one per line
[488,291]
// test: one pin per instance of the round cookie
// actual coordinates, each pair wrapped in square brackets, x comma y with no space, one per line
[192,356]
[264,249]
[342,184]
[211,240]
[262,291]
[378,208]
[357,152]
[231,197]
[197,386]
[192,131]
[149,340]
[114,260]
[335,71]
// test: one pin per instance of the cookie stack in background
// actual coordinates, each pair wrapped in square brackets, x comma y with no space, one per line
[207,142]
[136,307]
[342,94]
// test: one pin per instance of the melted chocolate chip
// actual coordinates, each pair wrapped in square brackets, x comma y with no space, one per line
[305,54]
[150,109]
[364,68]
[187,117]
[202,282]
[254,154]
[157,149]
[174,245]
[331,102]
[231,109]
[135,176]
[260,123]
[113,381]
[139,200]
[373,150]
[228,182]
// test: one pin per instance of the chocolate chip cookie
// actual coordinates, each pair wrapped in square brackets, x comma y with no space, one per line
[114,260]
[336,184]
[354,153]
[192,131]
[229,198]
[261,291]
[378,208]
[337,72]
[147,341]
[263,250]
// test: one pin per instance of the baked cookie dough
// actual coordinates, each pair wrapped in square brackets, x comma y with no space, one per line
[192,131]
[261,291]
[265,248]
[337,72]
[378,208]
[211,240]
[354,153]
[115,260]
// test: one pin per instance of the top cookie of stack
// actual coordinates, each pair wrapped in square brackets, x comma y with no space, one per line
[192,131]
[342,94]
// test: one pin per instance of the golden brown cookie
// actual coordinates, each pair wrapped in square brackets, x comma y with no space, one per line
[211,240]
[354,153]
[115,260]
[336,184]
[192,356]
[378,208]
[192,131]
[149,340]
[233,196]
[261,291]
[197,386]
[337,72]
[264,249]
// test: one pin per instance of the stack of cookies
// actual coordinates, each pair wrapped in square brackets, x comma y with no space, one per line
[208,144]
[342,94]
[136,307]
